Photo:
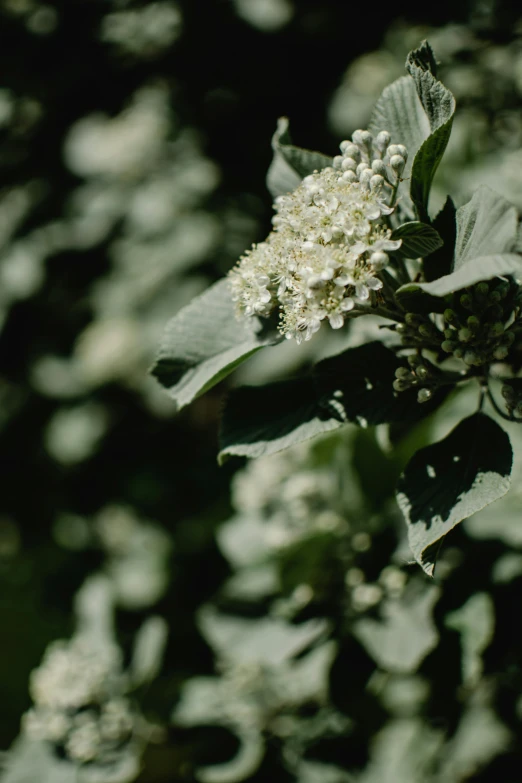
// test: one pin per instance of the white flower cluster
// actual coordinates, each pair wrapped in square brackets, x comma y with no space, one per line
[329,241]
[79,701]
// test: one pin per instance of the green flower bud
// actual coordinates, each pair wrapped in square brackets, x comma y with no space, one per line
[450,315]
[508,338]
[400,385]
[503,288]
[470,357]
[474,323]
[402,372]
[414,360]
[501,352]
[424,395]
[425,330]
[496,329]
[466,301]
[422,372]
[495,297]
[481,290]
[458,353]
[413,319]
[448,346]
[465,335]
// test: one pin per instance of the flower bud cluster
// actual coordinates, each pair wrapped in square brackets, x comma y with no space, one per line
[478,324]
[80,703]
[419,375]
[329,241]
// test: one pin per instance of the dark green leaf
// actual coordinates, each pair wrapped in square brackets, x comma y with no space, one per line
[204,343]
[418,239]
[439,105]
[440,262]
[450,480]
[415,300]
[260,420]
[354,386]
[291,164]
[486,226]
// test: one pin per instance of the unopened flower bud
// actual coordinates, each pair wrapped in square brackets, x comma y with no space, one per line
[402,372]
[365,176]
[361,167]
[482,289]
[349,176]
[473,323]
[449,334]
[501,352]
[338,161]
[379,167]
[448,346]
[378,259]
[400,385]
[413,319]
[494,297]
[397,163]
[508,338]
[382,140]
[496,329]
[425,330]
[422,372]
[470,357]
[450,315]
[424,395]
[349,149]
[376,182]
[458,353]
[466,301]
[503,289]
[414,360]
[465,335]
[364,141]
[397,149]
[349,164]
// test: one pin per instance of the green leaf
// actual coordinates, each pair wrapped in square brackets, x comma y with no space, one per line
[417,110]
[204,343]
[31,760]
[479,268]
[400,112]
[448,481]
[291,164]
[440,262]
[439,105]
[404,636]
[260,420]
[418,239]
[354,386]
[486,226]
[475,621]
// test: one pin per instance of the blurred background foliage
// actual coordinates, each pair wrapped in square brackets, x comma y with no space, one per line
[256,622]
